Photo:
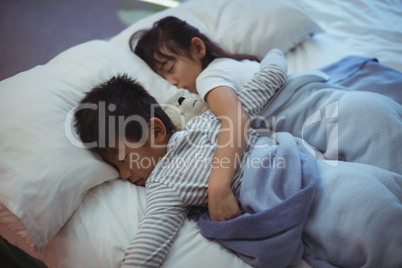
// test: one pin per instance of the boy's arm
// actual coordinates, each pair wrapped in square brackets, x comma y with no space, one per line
[232,139]
[165,214]
[265,83]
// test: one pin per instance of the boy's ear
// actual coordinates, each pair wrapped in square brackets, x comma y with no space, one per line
[198,47]
[156,130]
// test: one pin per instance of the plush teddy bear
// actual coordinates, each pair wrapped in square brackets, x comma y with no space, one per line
[186,109]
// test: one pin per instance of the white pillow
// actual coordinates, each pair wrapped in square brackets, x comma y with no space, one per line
[252,27]
[44,171]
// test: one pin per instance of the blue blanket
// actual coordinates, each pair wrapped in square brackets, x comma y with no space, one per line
[348,124]
[343,215]
[276,195]
[338,203]
[365,74]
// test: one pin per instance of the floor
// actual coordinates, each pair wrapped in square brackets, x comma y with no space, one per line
[34,31]
[6,262]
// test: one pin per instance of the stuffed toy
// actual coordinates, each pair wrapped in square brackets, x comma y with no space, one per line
[186,109]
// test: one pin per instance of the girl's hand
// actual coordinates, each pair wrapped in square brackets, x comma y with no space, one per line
[222,204]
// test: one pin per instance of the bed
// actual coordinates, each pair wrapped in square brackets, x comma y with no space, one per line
[62,206]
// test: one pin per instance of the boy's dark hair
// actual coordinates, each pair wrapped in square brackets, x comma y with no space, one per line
[100,114]
[175,35]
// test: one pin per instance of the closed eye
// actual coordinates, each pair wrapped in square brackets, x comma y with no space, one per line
[171,68]
[124,159]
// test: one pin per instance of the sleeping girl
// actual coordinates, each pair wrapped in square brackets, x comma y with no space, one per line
[188,59]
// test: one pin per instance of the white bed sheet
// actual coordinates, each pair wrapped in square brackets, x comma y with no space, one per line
[111,236]
[99,230]
[369,28]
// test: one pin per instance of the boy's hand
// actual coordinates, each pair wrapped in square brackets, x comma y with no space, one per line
[222,205]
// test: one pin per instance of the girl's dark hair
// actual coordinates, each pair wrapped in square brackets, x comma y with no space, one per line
[175,35]
[99,115]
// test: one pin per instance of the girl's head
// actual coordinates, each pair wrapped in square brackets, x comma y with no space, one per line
[171,39]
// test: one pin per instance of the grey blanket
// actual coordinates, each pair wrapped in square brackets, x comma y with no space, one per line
[276,194]
[355,138]
[354,220]
[339,123]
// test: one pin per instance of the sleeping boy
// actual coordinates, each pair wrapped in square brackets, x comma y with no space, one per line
[174,166]
[135,136]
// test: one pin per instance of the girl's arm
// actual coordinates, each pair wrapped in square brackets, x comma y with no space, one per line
[232,139]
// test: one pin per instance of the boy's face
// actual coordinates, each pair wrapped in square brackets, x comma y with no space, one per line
[137,162]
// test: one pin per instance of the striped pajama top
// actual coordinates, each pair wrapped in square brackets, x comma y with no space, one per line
[180,179]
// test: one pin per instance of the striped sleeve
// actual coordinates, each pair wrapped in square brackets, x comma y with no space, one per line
[157,231]
[265,83]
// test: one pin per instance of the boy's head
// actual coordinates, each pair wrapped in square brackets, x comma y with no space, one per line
[118,118]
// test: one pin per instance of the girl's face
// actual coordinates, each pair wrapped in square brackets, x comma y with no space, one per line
[183,71]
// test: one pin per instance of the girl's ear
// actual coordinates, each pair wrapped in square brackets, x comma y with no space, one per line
[198,47]
[156,130]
